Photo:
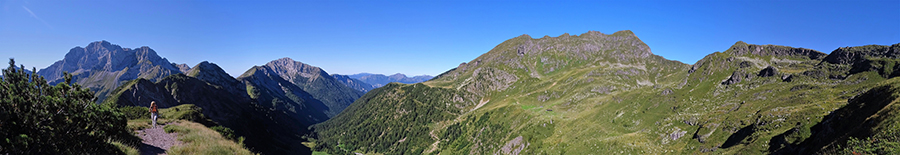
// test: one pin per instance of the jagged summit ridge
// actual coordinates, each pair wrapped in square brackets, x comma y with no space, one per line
[103,66]
[742,48]
[847,55]
[590,41]
[287,66]
[548,54]
[311,79]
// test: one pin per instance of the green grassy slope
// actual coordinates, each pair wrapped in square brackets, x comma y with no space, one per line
[598,94]
[197,133]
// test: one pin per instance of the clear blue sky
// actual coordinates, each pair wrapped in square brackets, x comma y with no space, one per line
[422,37]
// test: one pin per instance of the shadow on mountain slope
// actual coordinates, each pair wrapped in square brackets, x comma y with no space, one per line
[853,120]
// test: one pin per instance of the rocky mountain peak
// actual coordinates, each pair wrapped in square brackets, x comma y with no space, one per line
[207,64]
[184,68]
[526,54]
[524,36]
[624,33]
[848,55]
[287,67]
[206,68]
[103,66]
[103,44]
[213,74]
[743,48]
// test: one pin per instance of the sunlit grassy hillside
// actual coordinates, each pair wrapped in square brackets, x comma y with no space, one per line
[599,94]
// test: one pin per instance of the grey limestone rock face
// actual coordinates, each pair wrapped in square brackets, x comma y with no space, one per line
[489,79]
[287,68]
[103,66]
[311,79]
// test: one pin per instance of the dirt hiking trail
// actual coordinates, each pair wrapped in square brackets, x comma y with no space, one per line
[156,140]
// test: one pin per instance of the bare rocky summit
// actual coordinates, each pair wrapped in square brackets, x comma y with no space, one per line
[103,66]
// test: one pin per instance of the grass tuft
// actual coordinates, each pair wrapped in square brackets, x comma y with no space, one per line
[197,139]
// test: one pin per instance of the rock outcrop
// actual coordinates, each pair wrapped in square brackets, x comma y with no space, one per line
[767,72]
[850,55]
[736,77]
[742,48]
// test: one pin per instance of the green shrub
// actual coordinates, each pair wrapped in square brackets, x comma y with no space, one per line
[38,118]
[225,131]
[134,112]
[187,112]
[882,143]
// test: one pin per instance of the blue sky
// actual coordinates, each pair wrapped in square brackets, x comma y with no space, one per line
[422,37]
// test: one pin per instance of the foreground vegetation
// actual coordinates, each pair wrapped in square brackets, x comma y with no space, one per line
[36,118]
[198,139]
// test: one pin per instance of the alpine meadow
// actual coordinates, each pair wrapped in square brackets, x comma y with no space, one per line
[442,77]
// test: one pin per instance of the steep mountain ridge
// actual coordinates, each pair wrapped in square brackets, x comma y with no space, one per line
[318,83]
[102,66]
[271,91]
[607,93]
[213,74]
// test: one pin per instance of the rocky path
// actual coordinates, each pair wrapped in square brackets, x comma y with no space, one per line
[156,140]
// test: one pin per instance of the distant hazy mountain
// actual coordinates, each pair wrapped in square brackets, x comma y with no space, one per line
[353,83]
[102,66]
[378,80]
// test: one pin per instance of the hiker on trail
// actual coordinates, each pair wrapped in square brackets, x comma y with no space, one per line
[153,112]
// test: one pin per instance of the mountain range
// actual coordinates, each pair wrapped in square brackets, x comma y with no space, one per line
[268,110]
[598,93]
[592,93]
[368,81]
[271,105]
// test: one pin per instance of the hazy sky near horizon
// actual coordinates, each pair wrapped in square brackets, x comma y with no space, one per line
[422,37]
